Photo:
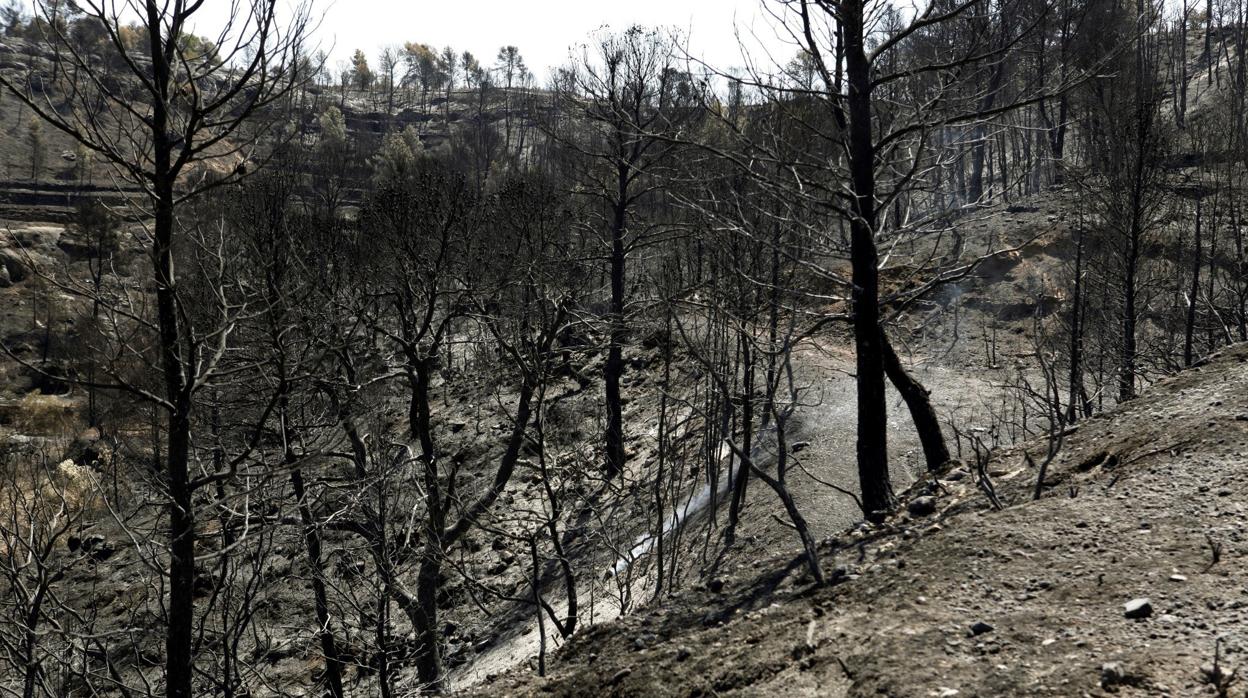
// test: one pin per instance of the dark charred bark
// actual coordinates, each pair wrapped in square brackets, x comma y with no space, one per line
[872,447]
[1189,327]
[613,369]
[917,397]
[312,545]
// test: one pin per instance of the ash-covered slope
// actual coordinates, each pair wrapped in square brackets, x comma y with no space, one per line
[1149,501]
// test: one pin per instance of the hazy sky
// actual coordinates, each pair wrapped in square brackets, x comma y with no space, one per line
[542,29]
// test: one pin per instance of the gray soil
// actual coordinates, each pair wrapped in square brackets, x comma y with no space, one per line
[1030,600]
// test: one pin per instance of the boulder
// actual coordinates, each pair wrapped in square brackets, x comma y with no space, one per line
[15,266]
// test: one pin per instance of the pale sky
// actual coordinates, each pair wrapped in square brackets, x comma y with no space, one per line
[542,29]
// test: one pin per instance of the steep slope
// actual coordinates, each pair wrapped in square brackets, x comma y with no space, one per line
[1147,501]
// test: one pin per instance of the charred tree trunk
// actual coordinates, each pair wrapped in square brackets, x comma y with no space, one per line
[976,185]
[181,611]
[312,544]
[1189,326]
[872,446]
[742,475]
[917,397]
[613,369]
[429,643]
[429,664]
[1127,355]
[1078,399]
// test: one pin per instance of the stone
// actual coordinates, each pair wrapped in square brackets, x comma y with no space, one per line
[683,653]
[922,506]
[14,265]
[643,641]
[1138,608]
[97,547]
[979,627]
[1112,674]
[716,585]
[498,568]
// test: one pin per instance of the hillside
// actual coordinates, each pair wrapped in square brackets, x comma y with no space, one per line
[628,384]
[1146,501]
[947,344]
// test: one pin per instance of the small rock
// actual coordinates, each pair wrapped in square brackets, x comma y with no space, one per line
[643,641]
[1178,578]
[979,627]
[97,547]
[922,506]
[716,585]
[683,653]
[620,676]
[839,574]
[1112,674]
[1138,608]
